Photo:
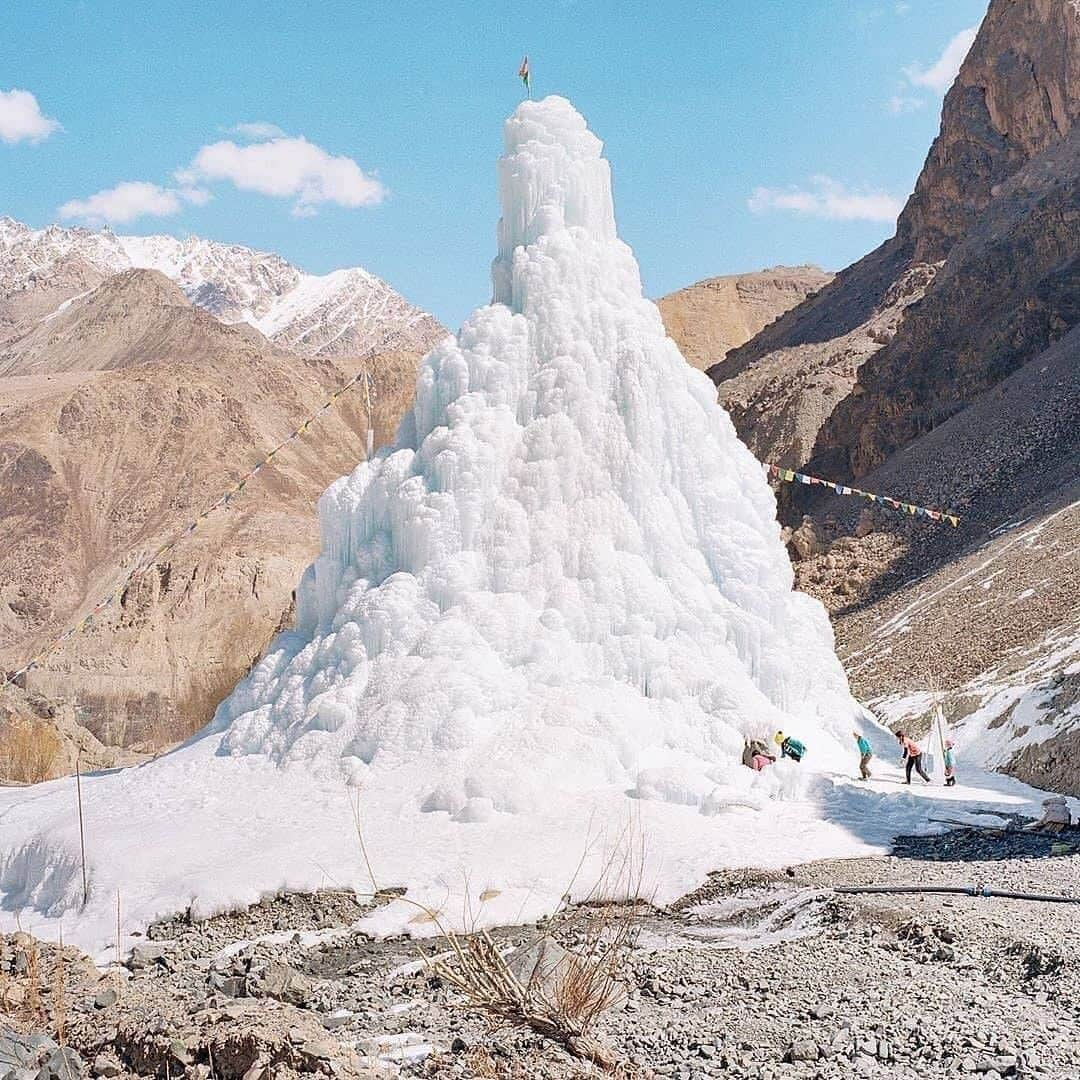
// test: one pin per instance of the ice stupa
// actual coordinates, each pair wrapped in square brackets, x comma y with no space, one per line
[561,595]
[566,574]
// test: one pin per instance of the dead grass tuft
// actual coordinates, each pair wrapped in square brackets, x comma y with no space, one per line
[29,750]
[564,993]
[562,997]
[21,986]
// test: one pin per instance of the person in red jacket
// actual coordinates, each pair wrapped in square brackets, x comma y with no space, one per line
[912,757]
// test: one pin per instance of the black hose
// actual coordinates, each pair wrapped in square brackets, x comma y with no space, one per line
[970,890]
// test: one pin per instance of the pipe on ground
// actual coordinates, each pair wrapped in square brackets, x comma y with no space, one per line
[970,890]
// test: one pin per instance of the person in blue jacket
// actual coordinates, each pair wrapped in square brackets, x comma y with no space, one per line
[865,754]
[789,747]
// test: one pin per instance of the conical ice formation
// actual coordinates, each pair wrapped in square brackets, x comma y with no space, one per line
[559,600]
[566,575]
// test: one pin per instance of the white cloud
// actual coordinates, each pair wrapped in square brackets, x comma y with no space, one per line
[197,196]
[257,131]
[130,200]
[827,198]
[905,103]
[21,118]
[276,164]
[287,168]
[939,76]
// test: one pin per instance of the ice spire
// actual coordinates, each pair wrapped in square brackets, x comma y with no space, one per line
[551,177]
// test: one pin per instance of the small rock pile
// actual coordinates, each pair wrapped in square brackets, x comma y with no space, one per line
[36,1057]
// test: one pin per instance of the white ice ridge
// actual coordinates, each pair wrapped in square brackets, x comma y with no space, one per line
[559,598]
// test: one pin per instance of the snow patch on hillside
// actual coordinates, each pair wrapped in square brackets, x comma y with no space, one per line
[1005,709]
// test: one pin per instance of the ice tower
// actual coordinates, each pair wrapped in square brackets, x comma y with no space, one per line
[559,595]
[566,574]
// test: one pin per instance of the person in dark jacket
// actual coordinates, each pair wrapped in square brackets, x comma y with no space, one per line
[912,757]
[789,747]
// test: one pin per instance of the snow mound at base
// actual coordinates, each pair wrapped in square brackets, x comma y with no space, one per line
[559,600]
[566,574]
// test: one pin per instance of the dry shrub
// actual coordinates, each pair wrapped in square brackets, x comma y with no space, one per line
[20,990]
[564,999]
[588,981]
[59,993]
[28,751]
[564,1008]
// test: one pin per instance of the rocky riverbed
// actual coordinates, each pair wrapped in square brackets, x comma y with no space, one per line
[755,975]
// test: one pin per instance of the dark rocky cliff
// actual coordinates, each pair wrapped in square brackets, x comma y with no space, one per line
[994,221]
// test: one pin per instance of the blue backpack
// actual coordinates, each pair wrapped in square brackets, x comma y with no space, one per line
[793,748]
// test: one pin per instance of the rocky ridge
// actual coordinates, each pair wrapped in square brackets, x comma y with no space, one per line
[780,403]
[711,317]
[342,313]
[995,207]
[100,465]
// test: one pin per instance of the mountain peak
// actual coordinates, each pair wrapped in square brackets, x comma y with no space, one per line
[10,231]
[341,313]
[132,318]
[1017,92]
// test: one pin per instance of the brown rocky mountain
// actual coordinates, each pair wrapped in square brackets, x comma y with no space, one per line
[712,317]
[780,403]
[944,369]
[992,228]
[121,418]
[983,618]
[131,318]
[343,313]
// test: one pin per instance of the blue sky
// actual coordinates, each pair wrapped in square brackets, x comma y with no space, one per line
[742,133]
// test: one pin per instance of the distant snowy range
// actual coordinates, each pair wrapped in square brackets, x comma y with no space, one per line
[345,312]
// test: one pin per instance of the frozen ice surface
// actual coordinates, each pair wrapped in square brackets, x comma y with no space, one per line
[558,600]
[566,575]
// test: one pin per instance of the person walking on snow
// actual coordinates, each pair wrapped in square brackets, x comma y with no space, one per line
[865,754]
[950,764]
[912,757]
[789,747]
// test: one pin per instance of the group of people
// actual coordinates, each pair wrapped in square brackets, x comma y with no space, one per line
[757,755]
[912,758]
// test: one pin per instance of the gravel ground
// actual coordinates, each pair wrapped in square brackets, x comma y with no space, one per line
[755,975]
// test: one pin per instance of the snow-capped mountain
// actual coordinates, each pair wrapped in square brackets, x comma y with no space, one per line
[340,313]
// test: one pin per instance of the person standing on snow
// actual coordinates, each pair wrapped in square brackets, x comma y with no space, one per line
[865,754]
[950,764]
[912,757]
[789,747]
